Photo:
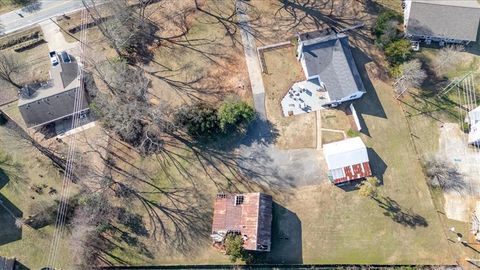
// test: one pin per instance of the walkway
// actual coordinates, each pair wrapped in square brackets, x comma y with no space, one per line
[318,116]
[36,13]
[253,64]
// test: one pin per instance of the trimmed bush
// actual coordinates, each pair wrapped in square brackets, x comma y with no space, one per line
[235,115]
[8,42]
[200,120]
[383,21]
[398,51]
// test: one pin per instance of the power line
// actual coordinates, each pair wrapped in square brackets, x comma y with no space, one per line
[63,206]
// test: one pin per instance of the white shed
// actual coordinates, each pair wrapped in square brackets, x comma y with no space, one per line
[347,160]
[474,121]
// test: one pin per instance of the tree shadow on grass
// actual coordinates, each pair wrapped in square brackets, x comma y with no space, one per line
[29,6]
[406,217]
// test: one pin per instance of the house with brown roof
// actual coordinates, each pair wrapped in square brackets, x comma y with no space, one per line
[247,214]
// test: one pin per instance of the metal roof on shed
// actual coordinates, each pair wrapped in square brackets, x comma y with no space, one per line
[345,153]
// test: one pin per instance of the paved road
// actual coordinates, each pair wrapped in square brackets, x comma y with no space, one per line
[253,64]
[36,13]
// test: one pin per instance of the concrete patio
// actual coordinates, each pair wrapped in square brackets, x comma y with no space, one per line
[305,96]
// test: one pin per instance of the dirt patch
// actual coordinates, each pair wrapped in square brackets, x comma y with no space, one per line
[331,136]
[283,70]
[453,146]
[335,119]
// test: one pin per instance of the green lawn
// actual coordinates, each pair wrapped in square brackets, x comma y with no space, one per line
[28,245]
[340,226]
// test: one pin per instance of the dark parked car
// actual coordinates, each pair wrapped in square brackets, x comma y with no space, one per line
[65,57]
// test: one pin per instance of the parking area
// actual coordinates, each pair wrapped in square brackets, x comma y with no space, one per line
[453,146]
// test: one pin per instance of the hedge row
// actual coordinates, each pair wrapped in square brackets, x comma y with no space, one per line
[12,41]
[28,45]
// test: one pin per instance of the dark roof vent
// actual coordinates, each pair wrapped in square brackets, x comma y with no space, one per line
[25,92]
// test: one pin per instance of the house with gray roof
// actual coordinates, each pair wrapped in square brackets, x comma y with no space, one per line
[53,101]
[330,71]
[444,21]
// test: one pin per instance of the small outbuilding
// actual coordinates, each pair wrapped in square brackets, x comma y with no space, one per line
[347,160]
[474,121]
[248,214]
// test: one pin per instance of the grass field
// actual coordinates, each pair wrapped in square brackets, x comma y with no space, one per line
[346,228]
[283,71]
[204,64]
[327,224]
[35,66]
[7,5]
[28,245]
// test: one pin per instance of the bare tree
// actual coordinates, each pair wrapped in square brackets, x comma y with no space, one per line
[126,110]
[10,66]
[447,58]
[411,75]
[125,26]
[444,174]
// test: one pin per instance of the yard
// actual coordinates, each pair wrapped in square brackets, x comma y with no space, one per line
[35,65]
[23,188]
[7,5]
[314,221]
[283,71]
[204,64]
[428,115]
[338,225]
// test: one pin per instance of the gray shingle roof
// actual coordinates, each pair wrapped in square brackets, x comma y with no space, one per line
[330,57]
[445,19]
[54,101]
[51,108]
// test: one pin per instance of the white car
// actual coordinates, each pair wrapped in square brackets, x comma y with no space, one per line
[53,58]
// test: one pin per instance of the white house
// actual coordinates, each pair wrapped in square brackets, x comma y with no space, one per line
[330,71]
[444,21]
[474,121]
[347,160]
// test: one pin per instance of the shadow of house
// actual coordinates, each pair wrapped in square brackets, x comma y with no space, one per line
[377,164]
[370,104]
[286,237]
[8,213]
